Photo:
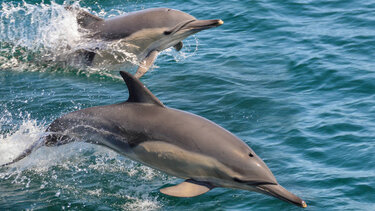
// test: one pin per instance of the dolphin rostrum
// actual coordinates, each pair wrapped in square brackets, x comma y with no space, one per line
[172,141]
[142,33]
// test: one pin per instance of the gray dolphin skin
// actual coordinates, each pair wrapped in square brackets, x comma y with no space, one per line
[142,33]
[172,141]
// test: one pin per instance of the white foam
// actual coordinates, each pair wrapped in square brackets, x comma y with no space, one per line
[38,33]
[190,49]
[143,203]
[16,141]
[41,27]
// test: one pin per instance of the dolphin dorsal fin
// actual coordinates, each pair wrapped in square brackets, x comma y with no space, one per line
[138,93]
[84,18]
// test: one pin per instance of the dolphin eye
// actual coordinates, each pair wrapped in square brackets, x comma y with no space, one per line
[238,180]
[167,32]
[251,154]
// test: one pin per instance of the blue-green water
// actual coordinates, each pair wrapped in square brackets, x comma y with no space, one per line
[294,79]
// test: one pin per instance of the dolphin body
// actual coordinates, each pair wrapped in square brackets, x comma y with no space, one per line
[172,141]
[143,33]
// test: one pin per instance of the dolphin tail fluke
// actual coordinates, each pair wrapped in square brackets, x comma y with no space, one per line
[189,188]
[27,152]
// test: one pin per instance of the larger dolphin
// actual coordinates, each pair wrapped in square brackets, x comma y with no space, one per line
[173,141]
[143,33]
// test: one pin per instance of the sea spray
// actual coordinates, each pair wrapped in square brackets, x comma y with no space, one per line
[41,171]
[47,37]
[44,30]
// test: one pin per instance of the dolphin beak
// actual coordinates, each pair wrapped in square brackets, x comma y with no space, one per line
[204,24]
[281,193]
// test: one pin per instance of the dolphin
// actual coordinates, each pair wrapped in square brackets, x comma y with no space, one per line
[175,142]
[142,33]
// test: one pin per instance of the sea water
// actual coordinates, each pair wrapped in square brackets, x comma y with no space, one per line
[294,79]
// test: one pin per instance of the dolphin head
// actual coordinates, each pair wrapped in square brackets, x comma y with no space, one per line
[183,25]
[173,21]
[157,28]
[254,175]
[246,170]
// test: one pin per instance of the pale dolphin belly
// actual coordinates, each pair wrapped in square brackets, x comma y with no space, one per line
[177,161]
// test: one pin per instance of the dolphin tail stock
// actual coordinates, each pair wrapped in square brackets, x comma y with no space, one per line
[28,151]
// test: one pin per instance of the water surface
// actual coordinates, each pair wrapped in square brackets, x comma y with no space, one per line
[294,79]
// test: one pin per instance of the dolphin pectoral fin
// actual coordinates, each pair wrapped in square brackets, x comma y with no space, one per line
[189,188]
[178,46]
[146,64]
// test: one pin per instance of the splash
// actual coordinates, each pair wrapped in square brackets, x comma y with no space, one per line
[18,138]
[68,169]
[190,49]
[47,37]
[143,203]
[36,33]
[43,36]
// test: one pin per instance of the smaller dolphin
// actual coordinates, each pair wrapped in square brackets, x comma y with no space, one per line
[173,141]
[142,33]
